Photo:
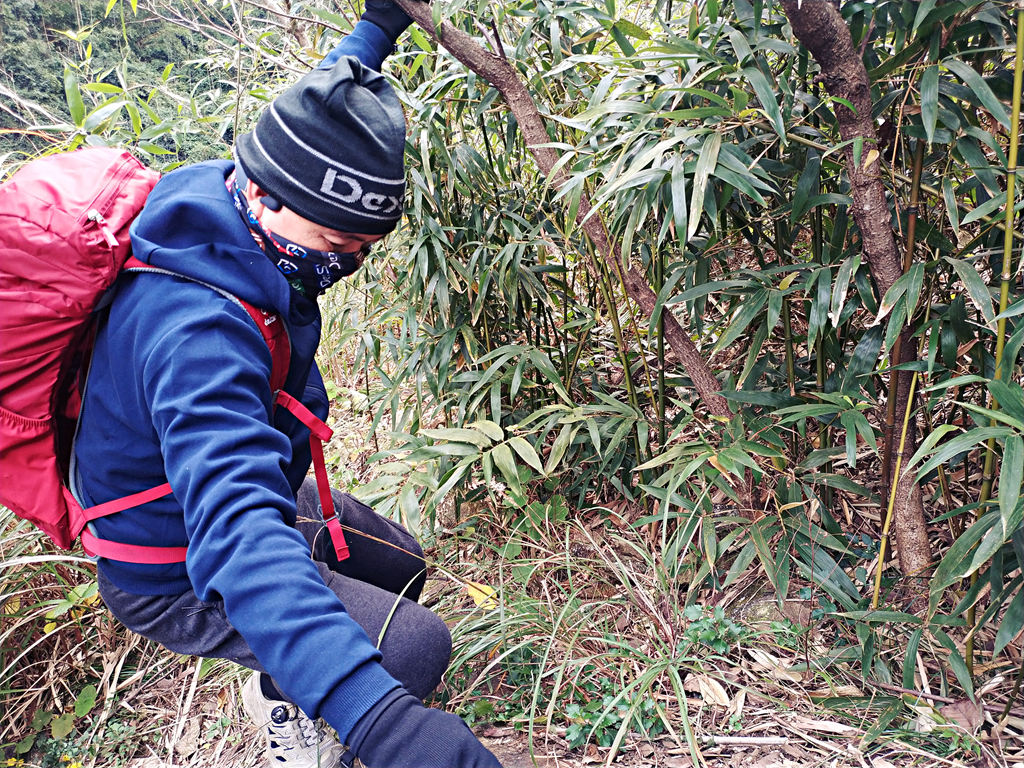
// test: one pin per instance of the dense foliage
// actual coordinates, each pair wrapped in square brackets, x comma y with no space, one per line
[522,388]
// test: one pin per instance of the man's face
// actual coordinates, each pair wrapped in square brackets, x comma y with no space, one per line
[287,223]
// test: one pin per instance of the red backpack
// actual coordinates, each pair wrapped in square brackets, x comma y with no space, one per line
[63,240]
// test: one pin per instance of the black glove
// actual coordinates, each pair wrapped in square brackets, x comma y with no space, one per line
[388,16]
[399,732]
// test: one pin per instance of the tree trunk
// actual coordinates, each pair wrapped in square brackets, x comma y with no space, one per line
[499,73]
[819,26]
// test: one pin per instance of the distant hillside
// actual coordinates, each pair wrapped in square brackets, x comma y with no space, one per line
[40,38]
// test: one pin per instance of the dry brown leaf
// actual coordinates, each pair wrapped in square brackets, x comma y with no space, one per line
[709,689]
[965,713]
[736,705]
[775,666]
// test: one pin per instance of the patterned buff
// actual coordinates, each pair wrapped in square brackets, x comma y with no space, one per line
[308,270]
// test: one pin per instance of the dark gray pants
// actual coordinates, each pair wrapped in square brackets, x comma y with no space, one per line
[416,646]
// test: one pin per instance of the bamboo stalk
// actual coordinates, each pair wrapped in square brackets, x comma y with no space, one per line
[897,349]
[988,473]
[892,492]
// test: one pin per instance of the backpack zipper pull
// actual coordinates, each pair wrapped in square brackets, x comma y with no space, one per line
[96,216]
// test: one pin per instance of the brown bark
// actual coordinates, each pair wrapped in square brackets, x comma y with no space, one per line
[819,26]
[499,73]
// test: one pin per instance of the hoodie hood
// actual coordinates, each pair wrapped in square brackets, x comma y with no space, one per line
[190,226]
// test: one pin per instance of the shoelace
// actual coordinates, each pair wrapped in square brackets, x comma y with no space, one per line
[310,731]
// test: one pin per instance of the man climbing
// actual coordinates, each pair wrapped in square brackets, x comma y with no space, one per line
[179,393]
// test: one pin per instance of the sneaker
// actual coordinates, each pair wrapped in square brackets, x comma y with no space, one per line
[293,740]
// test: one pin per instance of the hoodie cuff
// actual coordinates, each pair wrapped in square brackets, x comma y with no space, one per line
[356,696]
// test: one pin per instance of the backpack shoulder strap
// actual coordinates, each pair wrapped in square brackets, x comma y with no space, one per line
[269,323]
[275,335]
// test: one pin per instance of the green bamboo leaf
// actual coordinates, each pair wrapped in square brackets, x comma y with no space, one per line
[915,282]
[622,40]
[73,95]
[818,316]
[930,101]
[841,482]
[884,617]
[766,95]
[984,94]
[715,286]
[409,504]
[679,208]
[1011,477]
[102,88]
[863,360]
[829,198]
[850,265]
[1011,350]
[754,353]
[954,562]
[740,46]
[992,542]
[102,113]
[489,428]
[706,162]
[952,210]
[336,19]
[506,464]
[979,164]
[1009,395]
[663,296]
[910,658]
[1011,625]
[846,418]
[892,296]
[740,181]
[775,300]
[526,452]
[1014,309]
[765,553]
[753,397]
[807,185]
[560,446]
[959,444]
[135,117]
[749,309]
[977,291]
[956,662]
[987,208]
[458,435]
[923,9]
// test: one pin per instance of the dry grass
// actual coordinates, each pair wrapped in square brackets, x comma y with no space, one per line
[590,609]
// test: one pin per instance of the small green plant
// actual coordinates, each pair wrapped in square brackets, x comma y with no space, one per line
[710,627]
[600,718]
[65,752]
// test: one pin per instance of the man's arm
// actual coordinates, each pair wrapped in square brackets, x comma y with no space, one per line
[373,38]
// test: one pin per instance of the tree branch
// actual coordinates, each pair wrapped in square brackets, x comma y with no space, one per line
[500,73]
[819,26]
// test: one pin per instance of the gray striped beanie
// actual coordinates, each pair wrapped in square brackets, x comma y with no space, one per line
[331,148]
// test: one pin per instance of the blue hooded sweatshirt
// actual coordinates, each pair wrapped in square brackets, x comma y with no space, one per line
[179,392]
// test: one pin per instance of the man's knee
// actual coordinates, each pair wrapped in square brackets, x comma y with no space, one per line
[417,646]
